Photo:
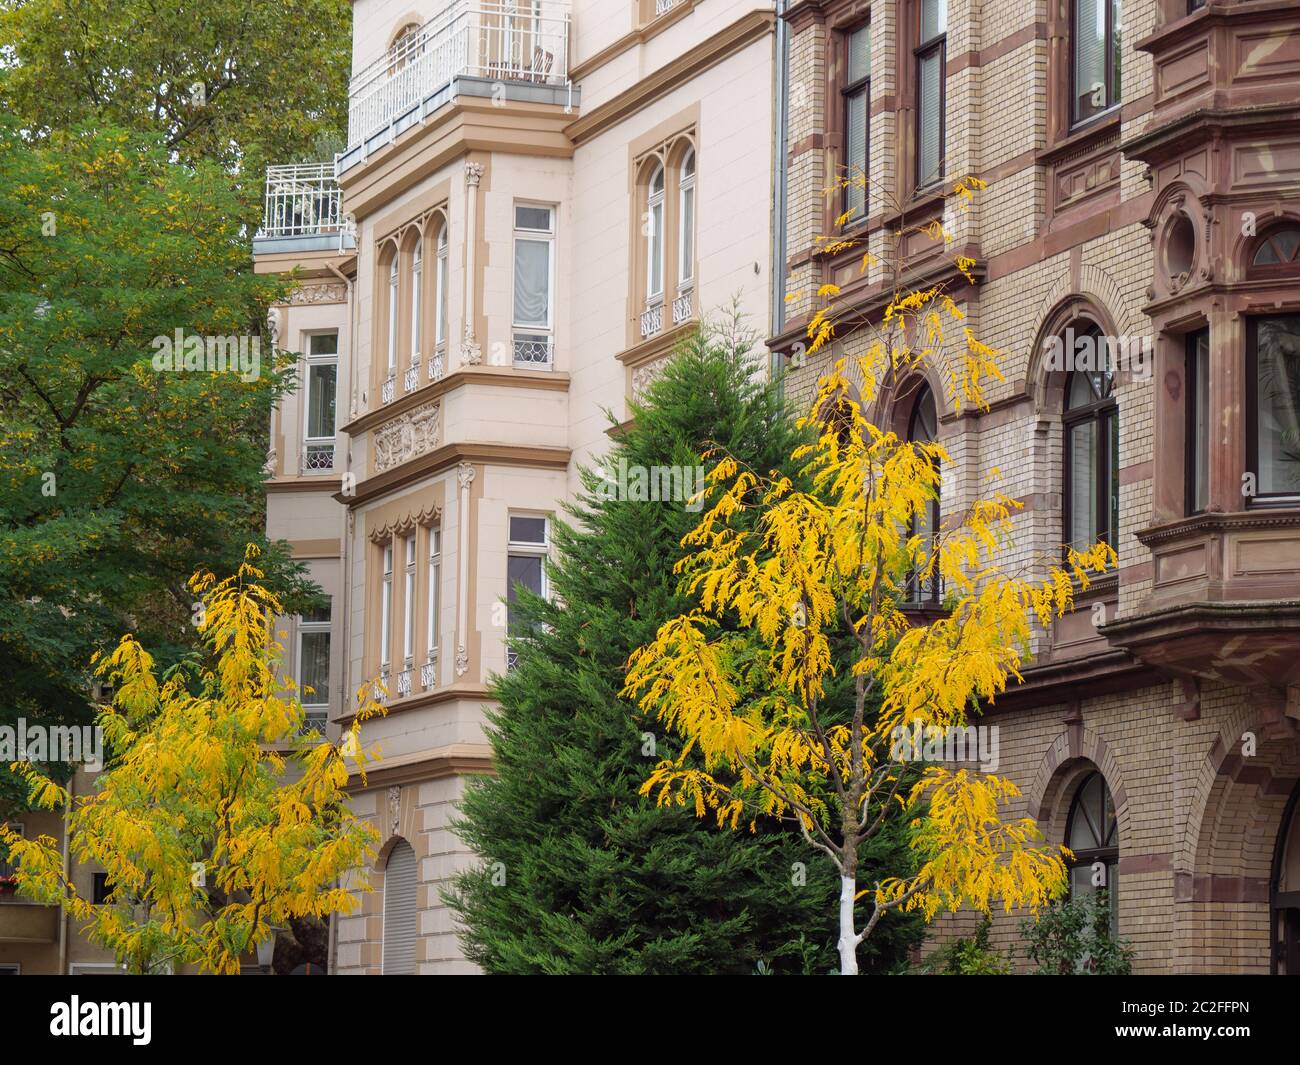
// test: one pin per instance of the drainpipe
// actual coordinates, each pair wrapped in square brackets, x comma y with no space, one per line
[346,542]
[780,171]
[67,870]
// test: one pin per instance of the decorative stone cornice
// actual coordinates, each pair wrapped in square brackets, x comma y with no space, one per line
[406,524]
[413,432]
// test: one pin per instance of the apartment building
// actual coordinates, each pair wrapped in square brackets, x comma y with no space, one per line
[1143,163]
[536,201]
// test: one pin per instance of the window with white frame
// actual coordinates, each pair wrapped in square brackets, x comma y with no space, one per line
[654,268]
[417,287]
[386,614]
[686,216]
[529,540]
[322,390]
[392,317]
[534,310]
[314,666]
[408,603]
[428,677]
[440,294]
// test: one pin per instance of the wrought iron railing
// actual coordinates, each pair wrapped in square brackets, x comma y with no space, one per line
[302,200]
[652,320]
[318,455]
[505,40]
[533,352]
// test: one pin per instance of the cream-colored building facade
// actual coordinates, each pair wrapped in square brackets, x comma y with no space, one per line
[537,200]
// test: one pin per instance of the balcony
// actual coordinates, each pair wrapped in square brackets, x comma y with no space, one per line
[471,48]
[23,921]
[303,210]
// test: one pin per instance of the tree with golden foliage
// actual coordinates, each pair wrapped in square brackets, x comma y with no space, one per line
[836,556]
[212,838]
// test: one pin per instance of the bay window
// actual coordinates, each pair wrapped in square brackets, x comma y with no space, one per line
[1273,411]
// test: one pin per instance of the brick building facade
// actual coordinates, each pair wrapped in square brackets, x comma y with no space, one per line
[1143,161]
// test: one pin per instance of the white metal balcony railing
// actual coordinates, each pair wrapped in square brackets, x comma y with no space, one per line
[318,455]
[429,672]
[501,40]
[302,200]
[652,320]
[411,378]
[388,390]
[315,720]
[533,352]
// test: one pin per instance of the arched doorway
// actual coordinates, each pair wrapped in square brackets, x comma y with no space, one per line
[1284,896]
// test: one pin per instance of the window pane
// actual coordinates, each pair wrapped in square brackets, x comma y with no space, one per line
[934,18]
[1110,490]
[523,570]
[859,65]
[855,153]
[1083,483]
[655,281]
[1089,58]
[322,379]
[525,530]
[1278,399]
[533,218]
[323,344]
[1198,398]
[930,102]
[315,667]
[532,282]
[688,234]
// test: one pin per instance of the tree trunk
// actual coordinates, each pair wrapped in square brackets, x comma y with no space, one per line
[848,943]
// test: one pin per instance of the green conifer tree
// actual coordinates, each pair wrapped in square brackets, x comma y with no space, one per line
[578,873]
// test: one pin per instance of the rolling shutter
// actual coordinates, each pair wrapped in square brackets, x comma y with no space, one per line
[400,912]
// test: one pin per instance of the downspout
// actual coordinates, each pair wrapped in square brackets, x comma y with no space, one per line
[346,542]
[780,171]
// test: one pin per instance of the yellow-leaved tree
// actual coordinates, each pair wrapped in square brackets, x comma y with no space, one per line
[808,567]
[212,839]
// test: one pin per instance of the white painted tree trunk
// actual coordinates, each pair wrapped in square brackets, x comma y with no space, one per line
[848,943]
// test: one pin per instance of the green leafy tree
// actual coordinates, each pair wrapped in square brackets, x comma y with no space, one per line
[1073,937]
[579,874]
[235,82]
[118,479]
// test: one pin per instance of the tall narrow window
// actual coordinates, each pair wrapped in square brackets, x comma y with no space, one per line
[417,287]
[1091,425]
[931,72]
[654,268]
[686,213]
[322,388]
[1273,414]
[1095,58]
[440,293]
[408,604]
[392,317]
[525,567]
[1092,833]
[923,428]
[428,675]
[386,612]
[534,315]
[314,666]
[1198,421]
[857,119]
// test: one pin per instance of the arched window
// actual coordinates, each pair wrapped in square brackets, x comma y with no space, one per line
[1286,892]
[440,291]
[400,916]
[1091,424]
[392,317]
[655,236]
[686,215]
[923,428]
[1092,833]
[407,44]
[1277,252]
[417,285]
